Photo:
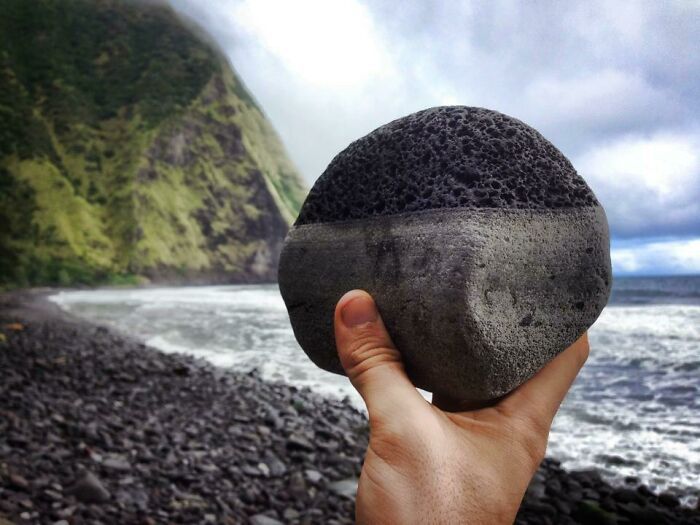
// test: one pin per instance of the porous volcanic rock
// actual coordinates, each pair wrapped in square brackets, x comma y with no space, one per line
[487,254]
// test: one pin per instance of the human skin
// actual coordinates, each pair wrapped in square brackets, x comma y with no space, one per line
[436,462]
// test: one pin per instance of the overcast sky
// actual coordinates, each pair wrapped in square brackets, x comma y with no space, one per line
[615,85]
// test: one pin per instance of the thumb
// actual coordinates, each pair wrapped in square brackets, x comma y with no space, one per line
[369,357]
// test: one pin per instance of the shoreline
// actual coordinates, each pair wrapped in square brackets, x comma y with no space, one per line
[98,426]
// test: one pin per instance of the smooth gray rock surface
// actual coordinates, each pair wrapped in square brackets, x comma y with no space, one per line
[476,297]
[476,300]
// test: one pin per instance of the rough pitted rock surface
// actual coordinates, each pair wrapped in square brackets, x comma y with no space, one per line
[487,254]
[445,157]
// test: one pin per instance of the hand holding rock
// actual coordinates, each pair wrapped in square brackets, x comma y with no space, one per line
[428,465]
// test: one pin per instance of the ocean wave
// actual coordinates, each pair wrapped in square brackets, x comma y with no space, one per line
[632,411]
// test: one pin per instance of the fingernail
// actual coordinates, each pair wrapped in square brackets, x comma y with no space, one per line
[359,310]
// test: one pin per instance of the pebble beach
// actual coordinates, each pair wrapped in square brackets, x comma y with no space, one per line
[96,427]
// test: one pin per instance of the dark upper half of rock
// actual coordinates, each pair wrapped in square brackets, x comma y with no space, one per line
[445,157]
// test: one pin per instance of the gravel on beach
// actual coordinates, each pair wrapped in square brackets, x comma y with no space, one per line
[95,427]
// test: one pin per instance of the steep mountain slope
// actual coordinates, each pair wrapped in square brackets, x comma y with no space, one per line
[128,146]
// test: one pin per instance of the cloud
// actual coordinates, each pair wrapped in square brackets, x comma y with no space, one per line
[658,258]
[329,71]
[607,100]
[614,85]
[649,185]
[332,45]
[322,71]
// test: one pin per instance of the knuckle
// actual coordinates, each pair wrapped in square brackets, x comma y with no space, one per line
[360,348]
[366,351]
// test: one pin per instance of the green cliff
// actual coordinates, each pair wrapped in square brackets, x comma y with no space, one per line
[129,147]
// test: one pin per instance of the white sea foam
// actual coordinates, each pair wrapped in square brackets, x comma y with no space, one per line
[634,410]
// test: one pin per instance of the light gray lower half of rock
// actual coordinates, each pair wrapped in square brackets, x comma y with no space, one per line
[476,301]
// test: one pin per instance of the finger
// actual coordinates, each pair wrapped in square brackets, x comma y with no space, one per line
[540,397]
[369,357]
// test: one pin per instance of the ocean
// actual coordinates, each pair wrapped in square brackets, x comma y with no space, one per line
[633,411]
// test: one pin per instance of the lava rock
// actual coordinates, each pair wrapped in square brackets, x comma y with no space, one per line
[445,157]
[345,487]
[221,412]
[486,253]
[89,489]
[669,500]
[262,519]
[18,482]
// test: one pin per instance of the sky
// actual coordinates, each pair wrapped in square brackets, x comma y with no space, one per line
[614,85]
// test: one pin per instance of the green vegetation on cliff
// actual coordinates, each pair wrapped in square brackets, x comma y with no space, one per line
[129,147]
